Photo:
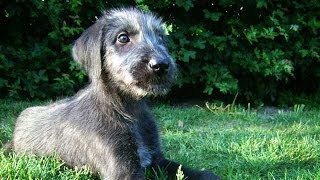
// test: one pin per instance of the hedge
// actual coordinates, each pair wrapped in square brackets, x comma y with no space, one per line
[259,49]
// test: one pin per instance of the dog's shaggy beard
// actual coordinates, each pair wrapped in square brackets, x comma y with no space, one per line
[136,80]
[146,84]
[154,84]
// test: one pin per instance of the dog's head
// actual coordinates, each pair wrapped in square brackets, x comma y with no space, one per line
[128,46]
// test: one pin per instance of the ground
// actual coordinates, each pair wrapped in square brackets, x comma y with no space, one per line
[233,142]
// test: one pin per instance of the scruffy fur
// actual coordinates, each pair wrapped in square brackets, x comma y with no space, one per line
[107,126]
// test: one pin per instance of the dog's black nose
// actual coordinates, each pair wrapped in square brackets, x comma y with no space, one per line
[159,66]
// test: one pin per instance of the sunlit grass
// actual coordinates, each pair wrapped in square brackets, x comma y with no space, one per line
[234,144]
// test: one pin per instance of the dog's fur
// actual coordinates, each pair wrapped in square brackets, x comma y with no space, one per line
[107,126]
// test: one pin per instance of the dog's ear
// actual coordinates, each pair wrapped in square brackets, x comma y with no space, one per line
[86,50]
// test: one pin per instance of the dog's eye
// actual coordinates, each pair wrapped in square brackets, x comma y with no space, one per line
[123,38]
[161,37]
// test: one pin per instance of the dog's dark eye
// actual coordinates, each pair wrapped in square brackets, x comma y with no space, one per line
[123,38]
[161,37]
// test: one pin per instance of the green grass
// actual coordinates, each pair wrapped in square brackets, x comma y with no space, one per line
[233,143]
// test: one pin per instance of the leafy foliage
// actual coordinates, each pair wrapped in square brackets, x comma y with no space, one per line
[260,49]
[35,58]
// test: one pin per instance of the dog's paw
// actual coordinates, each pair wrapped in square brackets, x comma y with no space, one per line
[207,175]
[202,175]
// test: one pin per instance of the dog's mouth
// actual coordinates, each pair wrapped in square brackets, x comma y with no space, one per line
[154,84]
[159,89]
[143,80]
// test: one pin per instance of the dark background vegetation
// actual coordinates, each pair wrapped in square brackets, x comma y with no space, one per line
[266,51]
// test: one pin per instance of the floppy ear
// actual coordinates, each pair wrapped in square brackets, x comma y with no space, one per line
[86,50]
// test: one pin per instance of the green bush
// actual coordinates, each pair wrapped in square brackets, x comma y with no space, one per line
[36,37]
[259,49]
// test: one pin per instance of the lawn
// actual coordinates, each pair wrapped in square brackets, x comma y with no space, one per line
[233,143]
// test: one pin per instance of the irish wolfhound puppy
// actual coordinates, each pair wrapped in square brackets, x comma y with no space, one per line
[108,126]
